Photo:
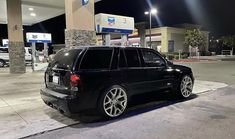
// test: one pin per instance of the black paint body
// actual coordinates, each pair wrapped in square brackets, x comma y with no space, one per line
[93,82]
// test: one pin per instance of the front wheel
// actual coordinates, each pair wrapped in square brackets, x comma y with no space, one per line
[2,63]
[113,102]
[186,87]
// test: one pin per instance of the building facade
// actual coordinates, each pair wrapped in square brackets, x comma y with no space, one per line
[164,39]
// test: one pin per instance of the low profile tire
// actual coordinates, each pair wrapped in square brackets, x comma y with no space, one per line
[185,89]
[2,63]
[113,102]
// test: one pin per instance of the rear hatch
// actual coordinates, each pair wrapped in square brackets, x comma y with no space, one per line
[57,76]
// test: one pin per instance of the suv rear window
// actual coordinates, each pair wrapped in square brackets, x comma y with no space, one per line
[97,59]
[64,59]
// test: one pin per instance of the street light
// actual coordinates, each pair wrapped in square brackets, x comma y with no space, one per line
[151,12]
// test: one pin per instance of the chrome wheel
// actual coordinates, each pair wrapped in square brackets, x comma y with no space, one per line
[186,86]
[2,63]
[115,102]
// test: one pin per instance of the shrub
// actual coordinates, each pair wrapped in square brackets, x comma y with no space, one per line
[170,56]
[176,56]
[205,53]
[184,56]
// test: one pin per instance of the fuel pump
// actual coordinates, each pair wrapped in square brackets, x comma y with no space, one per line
[39,58]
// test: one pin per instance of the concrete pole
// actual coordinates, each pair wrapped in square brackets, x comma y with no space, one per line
[34,60]
[15,36]
[80,23]
[45,50]
[142,33]
[150,29]
[124,40]
[107,39]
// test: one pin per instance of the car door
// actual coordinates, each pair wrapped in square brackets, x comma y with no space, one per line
[157,76]
[133,74]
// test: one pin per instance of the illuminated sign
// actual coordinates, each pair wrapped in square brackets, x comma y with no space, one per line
[5,42]
[38,37]
[107,23]
[111,21]
[85,2]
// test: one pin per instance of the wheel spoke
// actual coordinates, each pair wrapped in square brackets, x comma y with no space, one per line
[122,104]
[115,110]
[113,93]
[107,102]
[189,88]
[120,95]
[120,111]
[109,108]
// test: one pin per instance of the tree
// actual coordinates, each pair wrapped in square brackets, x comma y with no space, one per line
[196,39]
[228,41]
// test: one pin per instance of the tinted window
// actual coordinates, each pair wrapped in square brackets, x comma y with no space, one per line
[151,59]
[122,60]
[132,58]
[96,59]
[65,58]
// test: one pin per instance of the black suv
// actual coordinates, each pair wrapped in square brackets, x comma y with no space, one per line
[105,78]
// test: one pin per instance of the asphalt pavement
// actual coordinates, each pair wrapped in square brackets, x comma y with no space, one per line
[216,71]
[208,114]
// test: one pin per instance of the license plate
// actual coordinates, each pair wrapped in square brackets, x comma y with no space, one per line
[55,79]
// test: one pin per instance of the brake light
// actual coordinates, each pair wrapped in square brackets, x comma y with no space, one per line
[74,80]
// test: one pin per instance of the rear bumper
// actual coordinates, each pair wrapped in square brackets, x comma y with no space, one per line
[63,103]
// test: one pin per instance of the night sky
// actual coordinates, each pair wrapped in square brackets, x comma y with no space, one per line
[216,16]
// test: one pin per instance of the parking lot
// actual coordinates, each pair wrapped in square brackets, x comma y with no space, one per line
[23,114]
[209,115]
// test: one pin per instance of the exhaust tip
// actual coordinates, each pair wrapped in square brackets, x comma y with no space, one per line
[61,111]
[50,104]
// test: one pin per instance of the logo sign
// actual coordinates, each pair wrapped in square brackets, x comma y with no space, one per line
[38,37]
[85,2]
[111,21]
[34,36]
[5,42]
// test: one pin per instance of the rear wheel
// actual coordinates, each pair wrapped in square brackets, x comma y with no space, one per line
[186,87]
[2,63]
[113,102]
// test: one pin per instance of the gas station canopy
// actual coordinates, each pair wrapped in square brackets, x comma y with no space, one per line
[35,11]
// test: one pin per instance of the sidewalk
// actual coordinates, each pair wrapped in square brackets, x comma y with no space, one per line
[207,59]
[23,113]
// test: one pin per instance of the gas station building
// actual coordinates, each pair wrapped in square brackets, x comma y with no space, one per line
[80,27]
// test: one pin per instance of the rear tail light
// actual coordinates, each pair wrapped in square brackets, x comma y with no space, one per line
[74,80]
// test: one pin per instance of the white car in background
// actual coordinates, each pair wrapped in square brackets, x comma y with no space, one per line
[4,56]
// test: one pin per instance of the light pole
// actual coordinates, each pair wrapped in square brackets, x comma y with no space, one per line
[151,12]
